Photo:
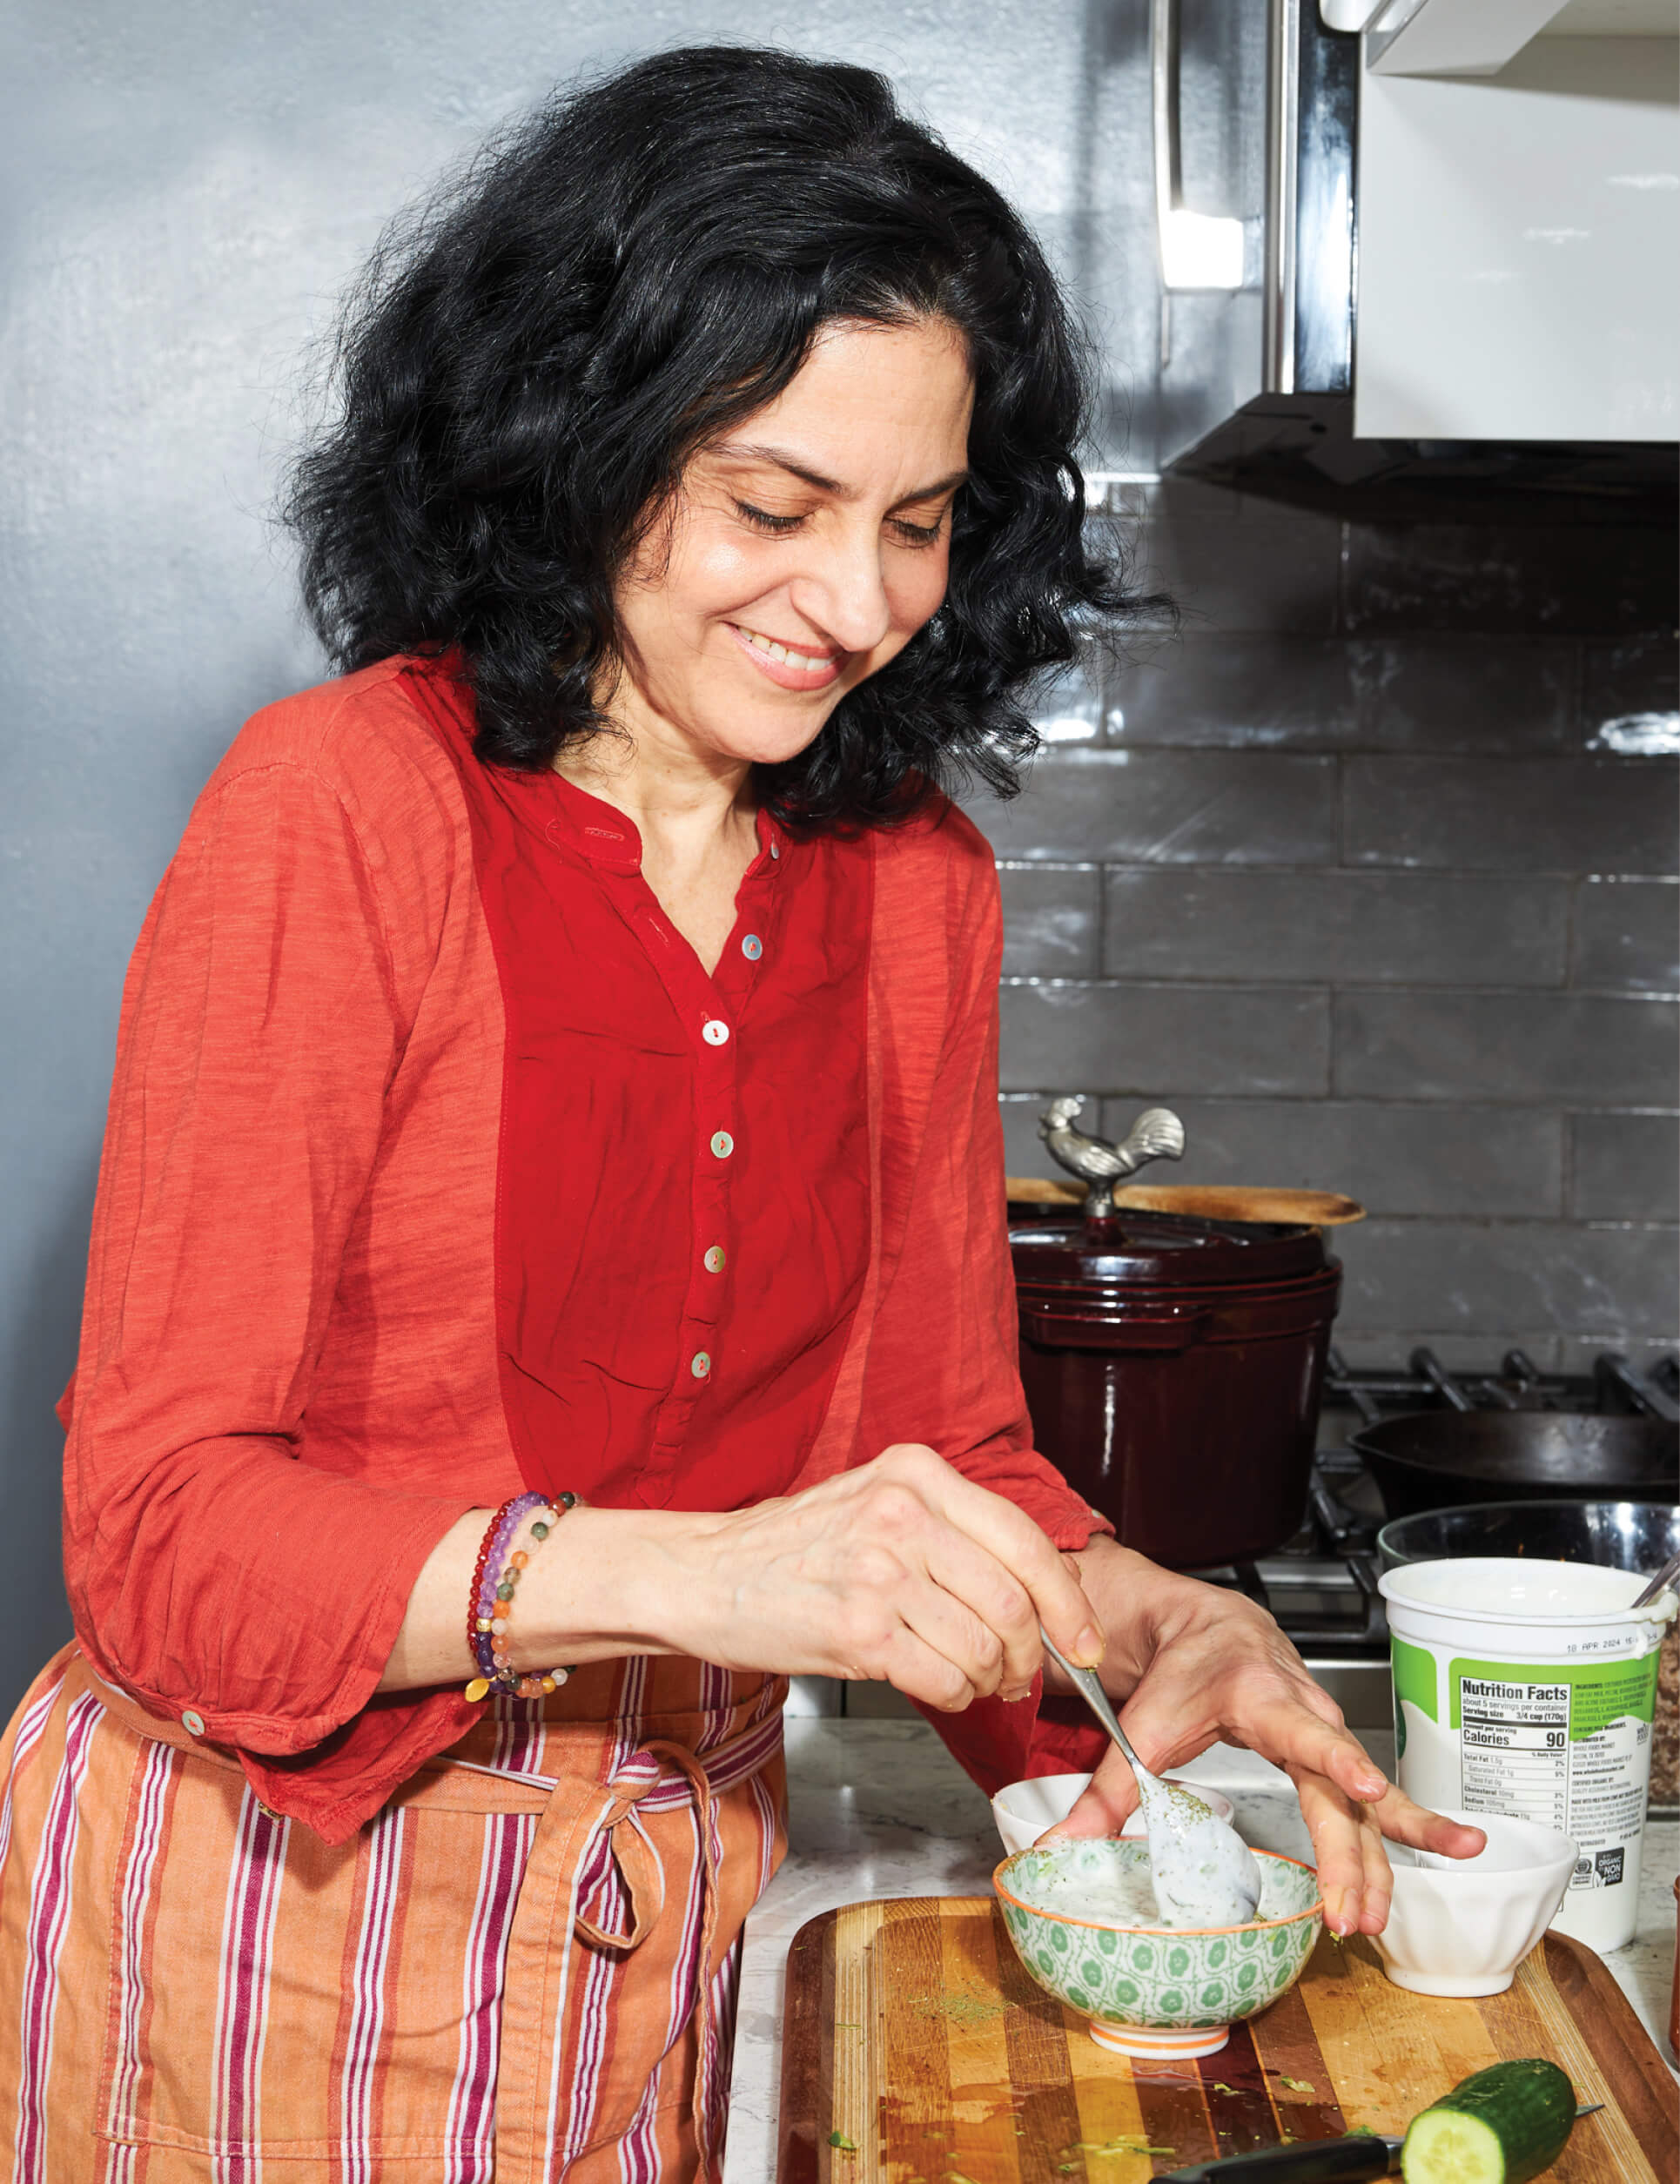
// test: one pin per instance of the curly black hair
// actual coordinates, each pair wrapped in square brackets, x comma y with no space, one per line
[529,361]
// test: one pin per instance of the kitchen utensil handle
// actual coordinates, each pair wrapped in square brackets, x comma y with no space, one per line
[1309,2161]
[1337,1382]
[1088,1684]
[1164,112]
[1427,1363]
[1282,192]
[1648,1398]
[1662,1583]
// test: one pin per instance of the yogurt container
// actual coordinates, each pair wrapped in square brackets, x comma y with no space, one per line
[1527,1688]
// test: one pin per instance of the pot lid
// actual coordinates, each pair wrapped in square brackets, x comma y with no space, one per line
[1161,1250]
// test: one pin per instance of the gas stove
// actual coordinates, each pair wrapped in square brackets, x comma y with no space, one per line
[1322,1584]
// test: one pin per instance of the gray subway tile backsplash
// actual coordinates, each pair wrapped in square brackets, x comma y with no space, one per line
[1625,683]
[1053,920]
[1415,928]
[1263,568]
[1249,691]
[1524,580]
[1466,695]
[1501,1278]
[1429,1158]
[1626,935]
[1169,807]
[1350,872]
[1625,1168]
[1513,815]
[1556,1049]
[1253,690]
[1115,1037]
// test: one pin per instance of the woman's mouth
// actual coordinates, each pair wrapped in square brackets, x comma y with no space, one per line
[786,665]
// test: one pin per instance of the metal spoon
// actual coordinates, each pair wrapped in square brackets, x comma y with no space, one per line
[1662,1583]
[1205,1874]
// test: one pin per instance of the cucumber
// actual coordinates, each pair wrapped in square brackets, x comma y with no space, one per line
[1502,2126]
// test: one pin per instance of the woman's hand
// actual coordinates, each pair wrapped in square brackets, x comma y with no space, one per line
[901,1572]
[1195,1664]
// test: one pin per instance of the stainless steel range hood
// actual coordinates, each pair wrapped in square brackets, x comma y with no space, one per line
[1267,350]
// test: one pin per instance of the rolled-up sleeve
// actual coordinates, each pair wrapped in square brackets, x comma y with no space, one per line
[216,1574]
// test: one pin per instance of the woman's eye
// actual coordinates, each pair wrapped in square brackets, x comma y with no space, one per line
[761,520]
[918,534]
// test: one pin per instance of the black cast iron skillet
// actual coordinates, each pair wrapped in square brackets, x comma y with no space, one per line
[1432,1459]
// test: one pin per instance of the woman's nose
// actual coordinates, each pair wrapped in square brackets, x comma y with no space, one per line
[843,592]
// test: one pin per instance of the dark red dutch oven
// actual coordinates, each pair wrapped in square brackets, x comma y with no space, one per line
[1172,1370]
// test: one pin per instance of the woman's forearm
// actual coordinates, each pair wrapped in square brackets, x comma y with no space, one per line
[900,1571]
[591,1591]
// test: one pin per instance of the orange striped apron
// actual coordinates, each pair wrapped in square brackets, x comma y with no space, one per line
[521,1969]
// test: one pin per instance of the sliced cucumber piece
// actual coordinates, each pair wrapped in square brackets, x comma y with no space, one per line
[1442,2148]
[1502,2126]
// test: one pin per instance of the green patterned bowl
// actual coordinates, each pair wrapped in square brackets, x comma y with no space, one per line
[1161,1990]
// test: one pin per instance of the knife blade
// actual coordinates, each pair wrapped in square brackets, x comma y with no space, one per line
[1348,2160]
[1309,2161]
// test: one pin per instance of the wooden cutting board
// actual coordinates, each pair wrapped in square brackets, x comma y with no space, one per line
[912,2031]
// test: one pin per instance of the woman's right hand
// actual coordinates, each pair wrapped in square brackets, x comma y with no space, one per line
[902,1571]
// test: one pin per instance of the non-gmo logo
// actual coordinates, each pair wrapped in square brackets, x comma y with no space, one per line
[1608,1866]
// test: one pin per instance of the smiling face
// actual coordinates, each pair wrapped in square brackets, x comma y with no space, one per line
[802,551]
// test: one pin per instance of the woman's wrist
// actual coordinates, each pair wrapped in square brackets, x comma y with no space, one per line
[608,1583]
[613,1581]
[1135,1600]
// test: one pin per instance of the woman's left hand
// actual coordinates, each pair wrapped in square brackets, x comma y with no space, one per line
[1195,1664]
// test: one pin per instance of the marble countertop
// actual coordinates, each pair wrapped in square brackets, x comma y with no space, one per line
[879,1808]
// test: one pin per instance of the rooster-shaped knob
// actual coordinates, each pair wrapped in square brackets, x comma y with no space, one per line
[1157,1135]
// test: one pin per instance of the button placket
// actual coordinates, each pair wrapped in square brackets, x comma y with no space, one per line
[711,1008]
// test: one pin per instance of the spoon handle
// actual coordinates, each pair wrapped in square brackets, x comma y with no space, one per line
[1660,1584]
[1089,1685]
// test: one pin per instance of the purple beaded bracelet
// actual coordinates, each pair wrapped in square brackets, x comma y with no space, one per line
[499,1573]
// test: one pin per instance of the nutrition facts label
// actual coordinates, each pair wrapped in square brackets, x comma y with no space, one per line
[1515,1748]
[1570,1751]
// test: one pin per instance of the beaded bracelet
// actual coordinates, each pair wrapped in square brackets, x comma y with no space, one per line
[495,1579]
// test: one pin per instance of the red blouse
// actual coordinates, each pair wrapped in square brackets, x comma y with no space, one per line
[436,1164]
[682,1221]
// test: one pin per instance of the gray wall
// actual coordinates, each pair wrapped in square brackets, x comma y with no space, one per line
[1356,876]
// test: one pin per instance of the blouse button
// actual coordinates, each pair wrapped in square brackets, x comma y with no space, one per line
[193,1722]
[713,1033]
[776,848]
[752,947]
[722,1144]
[714,1261]
[700,1365]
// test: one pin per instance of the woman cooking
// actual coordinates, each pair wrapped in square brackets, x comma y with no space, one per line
[549,1281]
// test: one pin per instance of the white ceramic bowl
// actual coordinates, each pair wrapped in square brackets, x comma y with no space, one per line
[1461,1925]
[1024,1809]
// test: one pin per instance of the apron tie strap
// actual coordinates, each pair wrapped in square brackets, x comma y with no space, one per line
[644,1882]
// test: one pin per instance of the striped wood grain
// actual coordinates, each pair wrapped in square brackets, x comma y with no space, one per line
[914,2035]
